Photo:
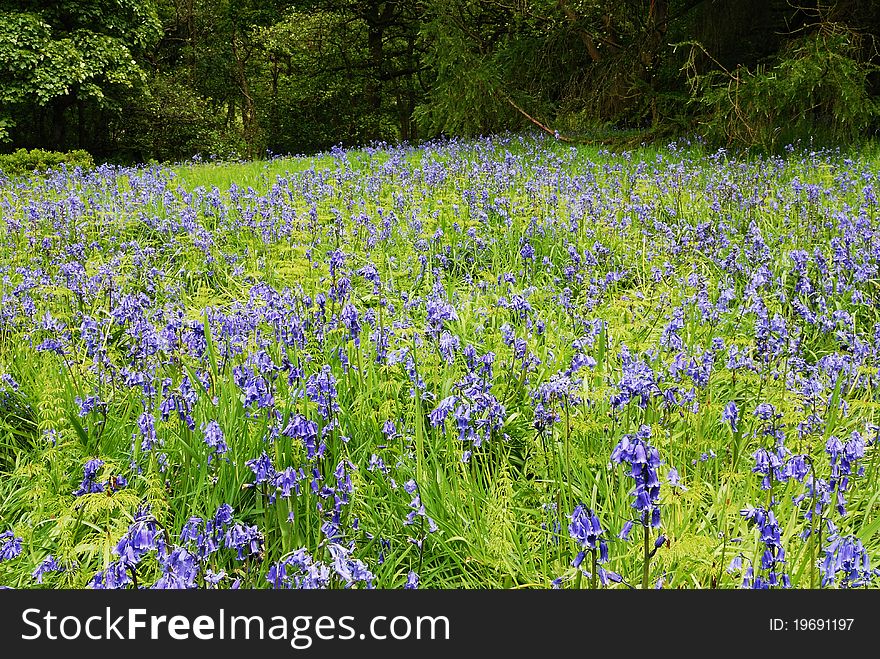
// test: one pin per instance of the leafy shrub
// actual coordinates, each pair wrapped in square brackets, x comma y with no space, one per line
[168,121]
[23,161]
[818,89]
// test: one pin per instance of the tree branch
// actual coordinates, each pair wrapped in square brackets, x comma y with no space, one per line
[554,133]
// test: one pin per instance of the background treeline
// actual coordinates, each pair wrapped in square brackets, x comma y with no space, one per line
[133,80]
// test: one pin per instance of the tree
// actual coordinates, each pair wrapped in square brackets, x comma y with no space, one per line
[357,64]
[67,54]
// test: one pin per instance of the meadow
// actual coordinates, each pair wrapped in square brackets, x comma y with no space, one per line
[498,363]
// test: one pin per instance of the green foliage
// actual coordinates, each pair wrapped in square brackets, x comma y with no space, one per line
[18,426]
[168,121]
[313,93]
[465,97]
[68,51]
[134,80]
[23,161]
[818,89]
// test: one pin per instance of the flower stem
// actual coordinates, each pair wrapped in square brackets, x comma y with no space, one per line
[595,579]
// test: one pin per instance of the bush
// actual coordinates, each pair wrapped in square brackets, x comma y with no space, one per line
[167,121]
[23,162]
[817,90]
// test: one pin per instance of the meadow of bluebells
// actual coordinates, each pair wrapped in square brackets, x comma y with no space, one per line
[498,363]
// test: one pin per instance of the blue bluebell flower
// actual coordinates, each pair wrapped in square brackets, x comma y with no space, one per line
[10,546]
[49,564]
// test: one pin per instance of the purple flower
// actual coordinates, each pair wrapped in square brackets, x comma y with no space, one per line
[731,415]
[147,427]
[262,467]
[765,411]
[321,389]
[351,571]
[774,554]
[673,479]
[10,546]
[246,540]
[142,537]
[48,565]
[179,570]
[350,320]
[215,439]
[89,484]
[644,461]
[114,577]
[846,560]
[443,409]
[587,531]
[301,428]
[412,581]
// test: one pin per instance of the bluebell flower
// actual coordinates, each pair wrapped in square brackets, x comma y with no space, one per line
[10,546]
[351,571]
[89,484]
[264,470]
[674,480]
[587,531]
[412,581]
[731,415]
[115,576]
[49,564]
[765,411]
[442,411]
[773,557]
[351,321]
[846,563]
[288,480]
[180,569]
[321,389]
[644,461]
[213,578]
[246,540]
[305,430]
[214,438]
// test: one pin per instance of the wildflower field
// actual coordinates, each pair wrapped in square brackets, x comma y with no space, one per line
[500,363]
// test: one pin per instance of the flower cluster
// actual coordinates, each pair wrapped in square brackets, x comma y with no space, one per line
[10,546]
[302,571]
[586,529]
[773,557]
[846,562]
[644,461]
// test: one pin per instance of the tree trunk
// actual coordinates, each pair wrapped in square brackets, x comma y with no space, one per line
[248,113]
[81,125]
[58,124]
[377,16]
[585,36]
[373,90]
[658,13]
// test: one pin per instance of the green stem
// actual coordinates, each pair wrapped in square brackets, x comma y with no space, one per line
[813,544]
[568,475]
[595,578]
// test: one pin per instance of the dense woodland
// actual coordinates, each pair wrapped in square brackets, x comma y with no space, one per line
[135,80]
